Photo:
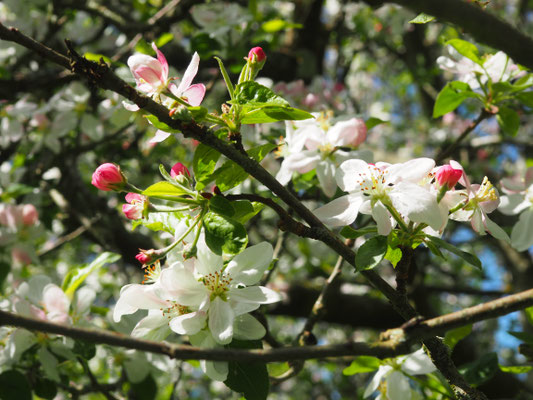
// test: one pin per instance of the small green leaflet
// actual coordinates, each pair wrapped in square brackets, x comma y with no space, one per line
[221,206]
[157,221]
[165,189]
[362,364]
[450,97]
[466,49]
[523,336]
[250,379]
[244,210]
[224,235]
[394,255]
[276,25]
[422,18]
[469,258]
[373,121]
[76,276]
[230,174]
[481,370]
[455,335]
[508,120]
[161,125]
[515,369]
[203,165]
[371,253]
[259,104]
[350,233]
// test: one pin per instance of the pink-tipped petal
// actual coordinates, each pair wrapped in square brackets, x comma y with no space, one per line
[190,73]
[195,94]
[159,136]
[163,61]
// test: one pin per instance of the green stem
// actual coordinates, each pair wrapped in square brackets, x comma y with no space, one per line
[177,199]
[397,217]
[225,75]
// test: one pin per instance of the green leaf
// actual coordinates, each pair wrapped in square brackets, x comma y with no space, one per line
[198,113]
[350,233]
[455,335]
[260,104]
[276,25]
[222,206]
[394,255]
[230,174]
[96,57]
[146,389]
[156,222]
[481,370]
[362,364]
[86,350]
[224,235]
[203,165]
[244,210]
[14,386]
[469,258]
[515,369]
[466,49]
[161,125]
[526,98]
[44,388]
[450,97]
[164,188]
[422,18]
[164,39]
[523,336]
[373,121]
[371,253]
[529,315]
[508,120]
[76,276]
[250,379]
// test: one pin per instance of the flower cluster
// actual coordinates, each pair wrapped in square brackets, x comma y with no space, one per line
[203,297]
[318,144]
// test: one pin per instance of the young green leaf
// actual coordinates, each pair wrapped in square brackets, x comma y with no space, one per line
[515,369]
[250,379]
[455,335]
[76,276]
[224,235]
[161,125]
[450,97]
[362,364]
[394,255]
[203,165]
[466,49]
[244,210]
[164,188]
[508,120]
[372,122]
[469,258]
[422,18]
[371,253]
[222,206]
[481,370]
[349,233]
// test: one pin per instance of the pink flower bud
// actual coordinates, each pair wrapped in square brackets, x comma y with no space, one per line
[145,256]
[449,176]
[108,177]
[20,256]
[136,206]
[29,214]
[257,55]
[179,169]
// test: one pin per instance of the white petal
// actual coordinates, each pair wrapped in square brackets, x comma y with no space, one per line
[418,363]
[495,229]
[417,204]
[207,261]
[55,300]
[247,327]
[325,172]
[376,379]
[216,370]
[411,171]
[255,295]
[513,204]
[189,74]
[189,324]
[302,162]
[248,267]
[522,234]
[181,284]
[130,106]
[348,172]
[398,386]
[152,327]
[284,174]
[382,217]
[341,211]
[221,318]
[159,136]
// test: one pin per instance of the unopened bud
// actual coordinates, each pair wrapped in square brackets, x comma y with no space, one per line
[257,55]
[146,256]
[179,169]
[109,177]
[448,176]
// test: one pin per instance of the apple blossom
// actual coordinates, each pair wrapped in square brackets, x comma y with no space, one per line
[395,374]
[448,176]
[151,75]
[323,144]
[29,214]
[376,189]
[136,207]
[108,177]
[145,256]
[519,200]
[257,54]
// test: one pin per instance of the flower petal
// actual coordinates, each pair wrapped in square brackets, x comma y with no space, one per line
[418,363]
[189,74]
[188,324]
[376,379]
[382,217]
[181,284]
[417,204]
[195,94]
[348,172]
[522,234]
[325,172]
[398,386]
[341,211]
[152,327]
[249,266]
[163,62]
[221,317]
[254,295]
[247,327]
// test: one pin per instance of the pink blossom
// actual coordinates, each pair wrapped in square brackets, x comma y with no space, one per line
[29,214]
[179,169]
[144,256]
[151,75]
[20,256]
[192,94]
[448,175]
[136,206]
[108,177]
[257,54]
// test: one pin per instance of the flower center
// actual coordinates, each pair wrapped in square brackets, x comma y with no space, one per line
[218,284]
[372,182]
[151,273]
[175,310]
[486,191]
